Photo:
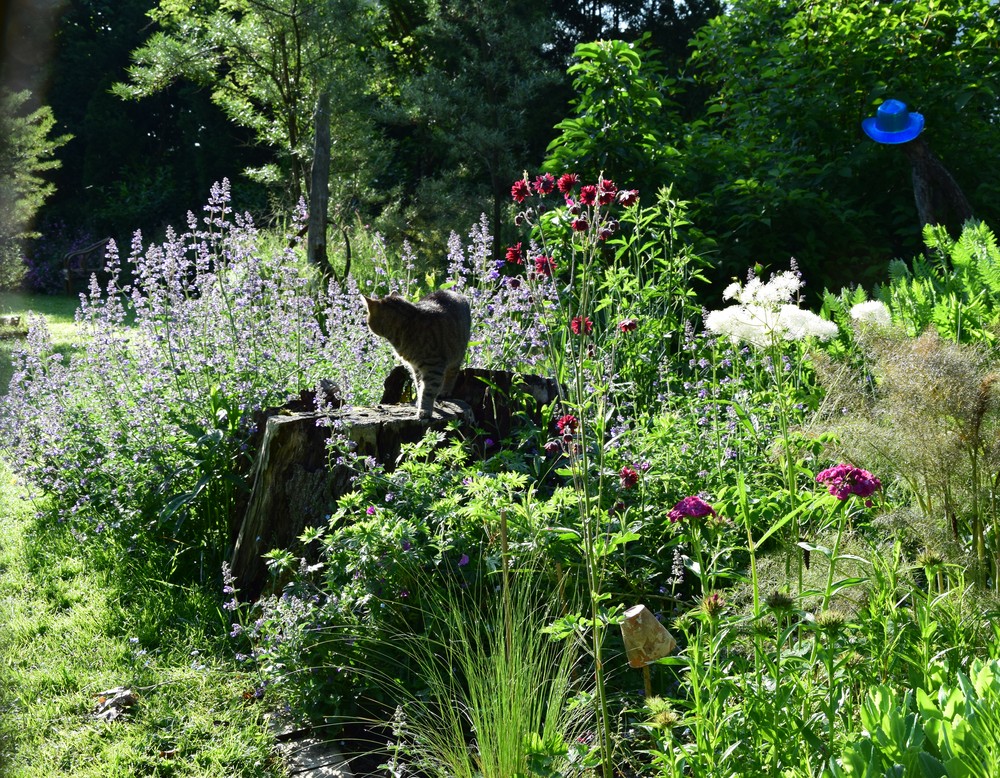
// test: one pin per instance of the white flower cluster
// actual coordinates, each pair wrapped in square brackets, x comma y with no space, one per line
[872,313]
[765,313]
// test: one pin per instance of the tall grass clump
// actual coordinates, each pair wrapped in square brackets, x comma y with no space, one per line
[499,697]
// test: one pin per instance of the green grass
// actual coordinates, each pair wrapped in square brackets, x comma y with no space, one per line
[59,313]
[69,630]
[67,636]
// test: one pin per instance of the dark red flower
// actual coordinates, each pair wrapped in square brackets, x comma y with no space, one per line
[628,325]
[567,181]
[567,425]
[544,265]
[629,477]
[588,194]
[606,191]
[544,183]
[515,255]
[604,233]
[628,197]
[520,191]
[581,325]
[580,225]
[691,507]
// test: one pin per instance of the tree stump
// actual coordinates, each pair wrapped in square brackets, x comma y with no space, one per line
[294,486]
[496,397]
[297,480]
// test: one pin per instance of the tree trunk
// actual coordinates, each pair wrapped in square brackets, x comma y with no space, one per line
[319,194]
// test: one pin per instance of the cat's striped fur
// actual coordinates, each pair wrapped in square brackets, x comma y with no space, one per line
[429,336]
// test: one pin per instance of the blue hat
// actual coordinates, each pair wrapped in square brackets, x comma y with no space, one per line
[892,123]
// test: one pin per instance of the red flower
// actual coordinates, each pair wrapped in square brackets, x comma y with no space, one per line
[628,325]
[567,425]
[544,265]
[580,225]
[581,325]
[604,233]
[588,194]
[628,197]
[606,191]
[515,255]
[567,181]
[544,183]
[629,477]
[520,190]
[691,507]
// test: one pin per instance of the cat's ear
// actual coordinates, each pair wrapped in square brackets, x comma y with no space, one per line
[368,302]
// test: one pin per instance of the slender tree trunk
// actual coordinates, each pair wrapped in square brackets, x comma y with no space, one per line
[319,193]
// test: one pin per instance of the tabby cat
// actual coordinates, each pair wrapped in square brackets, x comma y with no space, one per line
[430,337]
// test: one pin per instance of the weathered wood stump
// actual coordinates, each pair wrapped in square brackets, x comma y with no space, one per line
[297,479]
[294,486]
[496,397]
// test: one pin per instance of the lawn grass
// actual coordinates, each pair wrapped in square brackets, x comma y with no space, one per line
[70,630]
[59,312]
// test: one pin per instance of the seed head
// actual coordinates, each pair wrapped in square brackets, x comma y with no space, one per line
[831,621]
[780,601]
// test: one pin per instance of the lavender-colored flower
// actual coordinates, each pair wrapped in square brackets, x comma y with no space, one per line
[463,560]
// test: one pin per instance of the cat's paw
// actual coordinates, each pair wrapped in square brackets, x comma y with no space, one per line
[424,413]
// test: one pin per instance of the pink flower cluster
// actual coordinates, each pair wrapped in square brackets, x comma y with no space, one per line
[843,480]
[691,507]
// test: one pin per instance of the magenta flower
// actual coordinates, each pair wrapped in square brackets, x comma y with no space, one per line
[520,191]
[843,480]
[581,325]
[544,184]
[515,255]
[691,507]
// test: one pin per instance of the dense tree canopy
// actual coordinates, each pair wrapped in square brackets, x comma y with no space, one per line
[752,114]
